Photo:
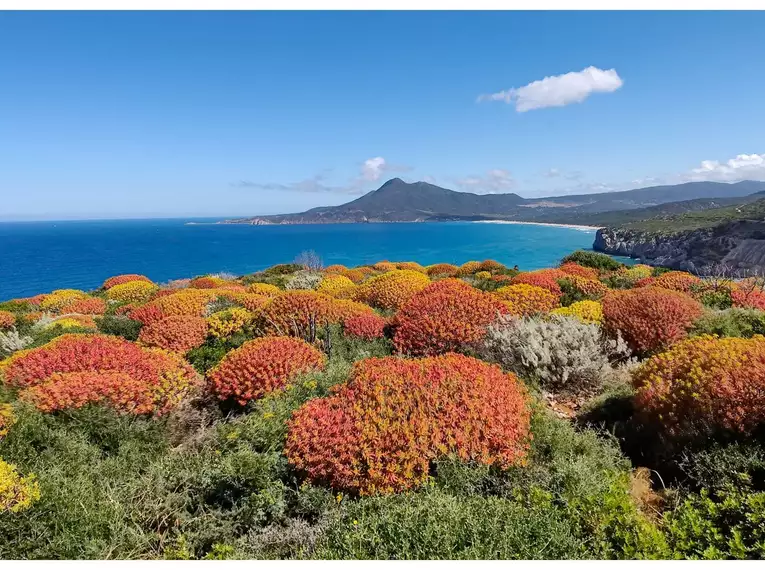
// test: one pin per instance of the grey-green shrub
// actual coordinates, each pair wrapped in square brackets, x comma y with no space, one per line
[11,341]
[731,322]
[304,280]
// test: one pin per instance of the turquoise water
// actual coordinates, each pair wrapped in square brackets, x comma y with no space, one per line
[37,257]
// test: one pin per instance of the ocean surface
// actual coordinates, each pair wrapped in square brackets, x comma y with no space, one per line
[37,257]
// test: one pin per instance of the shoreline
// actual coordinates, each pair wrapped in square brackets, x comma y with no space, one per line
[570,226]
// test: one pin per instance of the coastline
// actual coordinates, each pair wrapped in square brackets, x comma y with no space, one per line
[570,226]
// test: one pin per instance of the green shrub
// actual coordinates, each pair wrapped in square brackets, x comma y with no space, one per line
[731,322]
[726,467]
[119,326]
[593,259]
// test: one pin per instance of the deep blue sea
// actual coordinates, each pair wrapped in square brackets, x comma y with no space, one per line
[37,257]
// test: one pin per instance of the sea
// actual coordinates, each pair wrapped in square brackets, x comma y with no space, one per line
[38,257]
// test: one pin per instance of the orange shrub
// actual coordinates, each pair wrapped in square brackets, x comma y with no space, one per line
[384,266]
[704,384]
[36,300]
[575,269]
[367,326]
[337,268]
[442,270]
[358,274]
[444,317]
[342,309]
[265,289]
[120,279]
[250,301]
[380,432]
[207,282]
[261,366]
[545,278]
[468,268]
[7,319]
[491,266]
[523,299]
[590,287]
[176,333]
[677,281]
[337,286]
[754,299]
[60,298]
[644,282]
[391,290]
[75,369]
[650,318]
[86,306]
[295,313]
[184,302]
[411,266]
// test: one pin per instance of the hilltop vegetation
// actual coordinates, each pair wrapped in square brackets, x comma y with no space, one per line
[386,411]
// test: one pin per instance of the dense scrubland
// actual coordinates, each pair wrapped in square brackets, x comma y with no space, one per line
[590,410]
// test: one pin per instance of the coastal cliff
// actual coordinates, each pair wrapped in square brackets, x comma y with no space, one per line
[738,245]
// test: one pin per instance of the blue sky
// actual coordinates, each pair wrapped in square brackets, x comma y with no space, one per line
[216,114]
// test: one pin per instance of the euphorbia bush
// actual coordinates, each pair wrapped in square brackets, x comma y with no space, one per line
[120,279]
[227,322]
[523,299]
[337,286]
[17,493]
[85,306]
[132,292]
[391,290]
[384,266]
[491,266]
[575,269]
[411,266]
[250,301]
[261,366]
[649,318]
[158,379]
[186,302]
[7,319]
[265,289]
[367,326]
[176,333]
[583,287]
[468,268]
[677,281]
[301,313]
[60,298]
[545,278]
[442,270]
[380,432]
[207,282]
[444,317]
[73,321]
[704,384]
[589,312]
[748,299]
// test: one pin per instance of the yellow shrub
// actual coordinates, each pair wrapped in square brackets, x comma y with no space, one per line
[411,265]
[468,268]
[61,297]
[226,323]
[585,311]
[16,492]
[7,419]
[523,299]
[264,289]
[391,290]
[132,292]
[337,286]
[483,275]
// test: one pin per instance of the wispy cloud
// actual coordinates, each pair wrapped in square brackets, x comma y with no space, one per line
[559,90]
[740,167]
[567,174]
[496,181]
[371,170]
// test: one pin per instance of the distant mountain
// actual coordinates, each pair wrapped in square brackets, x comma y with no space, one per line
[399,201]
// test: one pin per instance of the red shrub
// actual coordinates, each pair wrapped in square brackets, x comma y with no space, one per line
[120,279]
[36,300]
[7,319]
[147,314]
[704,384]
[367,326]
[677,281]
[442,270]
[87,306]
[650,318]
[444,317]
[176,333]
[380,432]
[206,282]
[184,302]
[295,313]
[644,282]
[575,269]
[71,366]
[544,278]
[751,299]
[261,366]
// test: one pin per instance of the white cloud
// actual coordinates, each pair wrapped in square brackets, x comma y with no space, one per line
[496,181]
[741,167]
[373,168]
[559,90]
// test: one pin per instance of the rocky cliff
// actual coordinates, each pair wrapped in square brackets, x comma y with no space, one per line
[738,245]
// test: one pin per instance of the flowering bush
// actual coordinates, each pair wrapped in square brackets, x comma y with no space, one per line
[73,321]
[575,269]
[158,379]
[120,279]
[250,301]
[639,271]
[468,268]
[7,319]
[644,282]
[207,282]
[523,299]
[17,493]
[380,432]
[35,300]
[444,317]
[337,268]
[491,266]
[85,306]
[337,286]
[7,419]
[176,333]
[308,280]
[391,290]
[704,384]
[225,323]
[132,292]
[265,289]
[60,298]
[545,278]
[358,274]
[442,270]
[650,318]
[582,286]
[384,266]
[367,326]
[748,299]
[483,275]
[677,281]
[411,266]
[585,311]
[184,302]
[261,366]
